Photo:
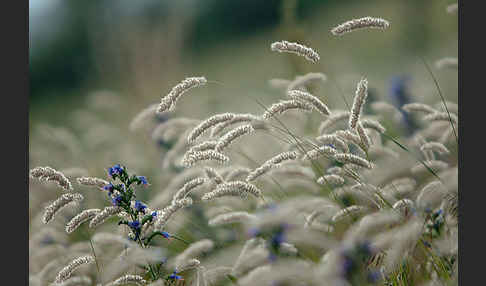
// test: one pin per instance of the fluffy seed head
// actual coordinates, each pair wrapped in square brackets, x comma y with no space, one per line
[195,249]
[57,205]
[331,179]
[334,140]
[373,124]
[435,146]
[67,271]
[198,156]
[452,8]
[128,279]
[316,153]
[49,174]
[229,137]
[353,159]
[234,188]
[76,221]
[230,217]
[103,215]
[335,117]
[418,107]
[271,163]
[164,215]
[295,48]
[188,264]
[443,63]
[349,211]
[307,97]
[213,175]
[77,281]
[441,116]
[169,101]
[206,145]
[90,181]
[142,117]
[208,123]
[359,101]
[300,81]
[435,165]
[361,23]
[242,117]
[285,105]
[189,186]
[365,139]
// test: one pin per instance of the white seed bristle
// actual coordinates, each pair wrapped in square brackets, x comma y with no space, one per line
[231,217]
[443,63]
[418,107]
[331,179]
[198,156]
[358,103]
[67,271]
[361,23]
[307,97]
[103,215]
[208,123]
[234,188]
[128,279]
[60,203]
[353,159]
[168,102]
[188,187]
[285,105]
[271,163]
[229,137]
[300,81]
[84,216]
[435,146]
[295,48]
[51,175]
[143,116]
[90,181]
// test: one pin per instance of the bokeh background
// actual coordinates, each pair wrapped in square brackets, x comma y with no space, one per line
[139,49]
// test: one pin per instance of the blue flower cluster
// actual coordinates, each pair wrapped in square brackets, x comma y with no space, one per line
[276,236]
[400,96]
[122,195]
[354,259]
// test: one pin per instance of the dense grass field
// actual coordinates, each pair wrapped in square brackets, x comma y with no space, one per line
[295,156]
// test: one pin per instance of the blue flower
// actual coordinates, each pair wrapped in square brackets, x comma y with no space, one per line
[109,187]
[134,224]
[374,276]
[400,95]
[348,266]
[278,238]
[166,234]
[253,232]
[115,170]
[154,214]
[175,276]
[116,200]
[140,207]
[331,145]
[143,180]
